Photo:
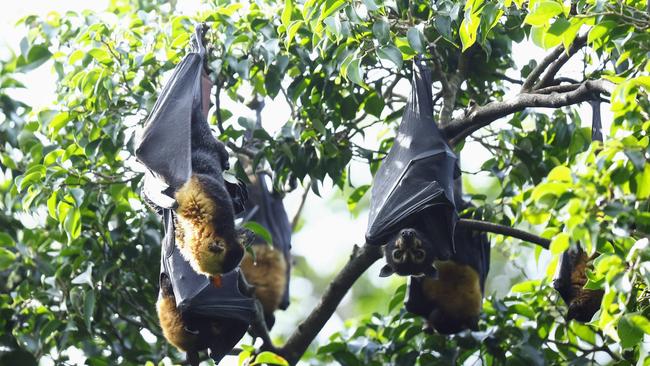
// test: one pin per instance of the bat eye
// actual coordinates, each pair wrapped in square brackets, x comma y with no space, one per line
[418,255]
[398,255]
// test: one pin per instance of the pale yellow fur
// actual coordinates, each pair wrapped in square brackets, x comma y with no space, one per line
[172,324]
[195,232]
[268,275]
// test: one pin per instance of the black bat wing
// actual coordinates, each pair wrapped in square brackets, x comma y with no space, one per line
[165,147]
[418,172]
[415,301]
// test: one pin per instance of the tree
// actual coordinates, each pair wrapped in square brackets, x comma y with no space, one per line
[78,254]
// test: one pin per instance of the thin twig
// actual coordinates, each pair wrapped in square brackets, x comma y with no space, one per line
[303,199]
[505,77]
[217,107]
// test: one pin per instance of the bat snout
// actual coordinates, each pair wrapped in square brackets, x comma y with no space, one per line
[216,247]
[408,234]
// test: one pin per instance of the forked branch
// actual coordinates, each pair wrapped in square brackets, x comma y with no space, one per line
[479,117]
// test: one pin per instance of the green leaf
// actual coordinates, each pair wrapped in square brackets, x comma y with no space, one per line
[560,173]
[354,72]
[72,223]
[371,5]
[525,287]
[269,358]
[286,13]
[59,121]
[392,54]
[76,56]
[542,12]
[381,31]
[469,28]
[551,188]
[259,230]
[7,258]
[542,38]
[643,183]
[6,240]
[36,56]
[398,298]
[89,307]
[102,56]
[291,32]
[560,26]
[374,104]
[443,26]
[330,7]
[51,205]
[415,39]
[560,243]
[629,334]
[356,196]
[600,30]
[29,179]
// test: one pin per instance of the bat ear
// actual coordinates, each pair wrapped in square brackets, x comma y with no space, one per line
[386,271]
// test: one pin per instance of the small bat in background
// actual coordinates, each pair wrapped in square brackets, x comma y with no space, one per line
[583,303]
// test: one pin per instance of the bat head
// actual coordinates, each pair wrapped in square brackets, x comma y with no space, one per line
[408,253]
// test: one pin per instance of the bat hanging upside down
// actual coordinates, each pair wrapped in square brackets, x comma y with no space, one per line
[267,273]
[205,228]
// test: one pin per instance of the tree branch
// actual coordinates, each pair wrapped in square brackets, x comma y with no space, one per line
[251,153]
[450,90]
[361,259]
[460,128]
[490,227]
[303,199]
[552,63]
[556,65]
[557,89]
[505,77]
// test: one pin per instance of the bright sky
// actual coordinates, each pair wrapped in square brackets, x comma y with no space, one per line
[330,230]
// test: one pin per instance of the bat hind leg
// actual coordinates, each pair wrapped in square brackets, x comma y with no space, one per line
[170,319]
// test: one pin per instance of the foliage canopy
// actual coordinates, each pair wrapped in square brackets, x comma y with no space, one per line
[78,254]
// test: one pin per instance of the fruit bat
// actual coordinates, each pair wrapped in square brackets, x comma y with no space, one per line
[268,272]
[572,276]
[452,301]
[204,302]
[412,209]
[186,164]
[196,311]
